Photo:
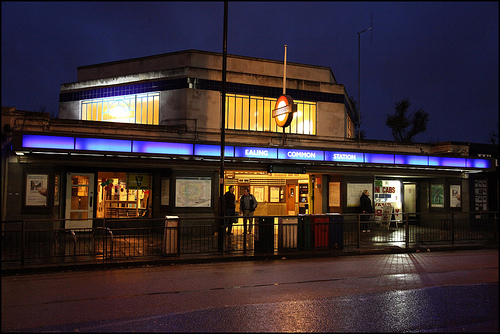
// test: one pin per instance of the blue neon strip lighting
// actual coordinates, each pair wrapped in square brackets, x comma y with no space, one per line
[377,158]
[131,146]
[255,152]
[107,145]
[417,160]
[344,156]
[162,148]
[478,163]
[446,162]
[310,155]
[53,142]
[213,150]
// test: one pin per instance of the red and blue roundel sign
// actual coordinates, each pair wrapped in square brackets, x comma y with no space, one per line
[283,110]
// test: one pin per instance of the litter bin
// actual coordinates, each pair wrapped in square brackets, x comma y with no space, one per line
[336,233]
[170,235]
[304,232]
[264,235]
[319,227]
[287,233]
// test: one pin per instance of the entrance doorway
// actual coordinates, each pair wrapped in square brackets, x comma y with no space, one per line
[410,198]
[291,199]
[79,200]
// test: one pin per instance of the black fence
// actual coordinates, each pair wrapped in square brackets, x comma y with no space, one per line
[121,239]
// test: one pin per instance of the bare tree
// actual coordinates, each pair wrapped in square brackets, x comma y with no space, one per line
[404,124]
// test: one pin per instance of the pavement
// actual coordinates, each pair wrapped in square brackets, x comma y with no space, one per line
[64,264]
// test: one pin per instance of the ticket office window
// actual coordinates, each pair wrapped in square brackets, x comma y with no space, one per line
[115,200]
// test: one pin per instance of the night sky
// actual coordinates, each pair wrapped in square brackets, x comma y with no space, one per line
[443,56]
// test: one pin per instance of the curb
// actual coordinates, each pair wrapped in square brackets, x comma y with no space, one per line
[150,262]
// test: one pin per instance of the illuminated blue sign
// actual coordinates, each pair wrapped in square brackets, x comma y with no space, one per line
[132,146]
[300,154]
[255,152]
[446,162]
[377,158]
[53,142]
[109,145]
[478,163]
[162,148]
[213,150]
[418,160]
[344,156]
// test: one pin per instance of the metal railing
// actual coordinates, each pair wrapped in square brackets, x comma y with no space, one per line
[122,239]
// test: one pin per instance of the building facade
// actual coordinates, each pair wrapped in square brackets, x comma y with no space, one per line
[142,138]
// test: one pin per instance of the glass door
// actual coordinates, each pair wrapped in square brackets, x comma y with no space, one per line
[79,200]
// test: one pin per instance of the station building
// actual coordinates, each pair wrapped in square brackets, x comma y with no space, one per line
[142,138]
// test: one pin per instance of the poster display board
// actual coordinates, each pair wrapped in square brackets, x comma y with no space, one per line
[193,192]
[334,194]
[354,191]
[437,195]
[36,189]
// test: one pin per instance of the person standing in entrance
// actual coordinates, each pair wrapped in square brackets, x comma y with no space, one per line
[366,207]
[230,209]
[248,203]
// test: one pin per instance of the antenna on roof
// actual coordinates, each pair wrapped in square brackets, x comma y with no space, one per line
[371,27]
[359,74]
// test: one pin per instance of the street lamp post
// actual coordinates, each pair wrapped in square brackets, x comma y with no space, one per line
[359,76]
[222,213]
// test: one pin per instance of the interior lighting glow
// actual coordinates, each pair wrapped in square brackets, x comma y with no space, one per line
[108,145]
[162,148]
[54,142]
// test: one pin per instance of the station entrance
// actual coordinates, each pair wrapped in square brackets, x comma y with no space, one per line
[278,194]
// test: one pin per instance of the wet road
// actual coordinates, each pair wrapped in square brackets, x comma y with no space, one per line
[418,292]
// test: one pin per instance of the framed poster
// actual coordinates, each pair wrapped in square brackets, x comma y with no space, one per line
[258,192]
[354,192]
[193,192]
[455,196]
[165,191]
[437,195]
[274,196]
[56,190]
[36,189]
[334,194]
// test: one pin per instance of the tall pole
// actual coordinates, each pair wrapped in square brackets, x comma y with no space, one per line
[220,237]
[359,98]
[359,78]
[284,73]
[284,91]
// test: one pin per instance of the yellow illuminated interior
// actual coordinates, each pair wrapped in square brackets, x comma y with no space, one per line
[137,108]
[254,113]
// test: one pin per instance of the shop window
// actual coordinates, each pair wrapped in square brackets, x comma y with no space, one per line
[387,193]
[254,113]
[137,108]
[123,195]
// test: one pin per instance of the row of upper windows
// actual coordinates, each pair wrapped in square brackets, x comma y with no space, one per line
[252,113]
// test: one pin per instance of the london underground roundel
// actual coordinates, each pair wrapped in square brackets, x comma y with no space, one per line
[283,111]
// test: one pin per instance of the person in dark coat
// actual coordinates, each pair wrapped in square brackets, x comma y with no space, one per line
[366,209]
[229,209]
